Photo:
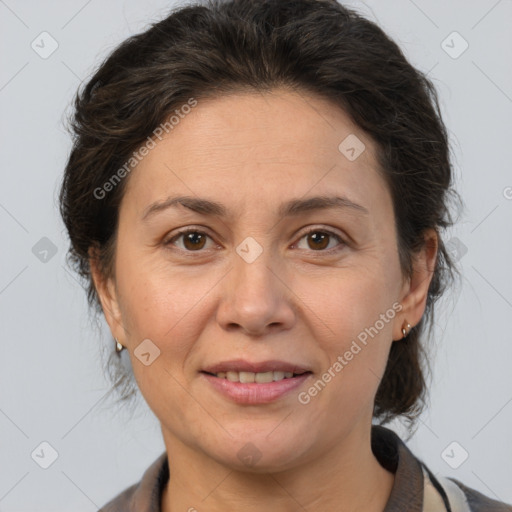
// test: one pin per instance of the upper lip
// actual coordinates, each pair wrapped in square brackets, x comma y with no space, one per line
[240,365]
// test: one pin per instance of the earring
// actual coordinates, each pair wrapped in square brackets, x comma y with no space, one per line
[406,330]
[119,347]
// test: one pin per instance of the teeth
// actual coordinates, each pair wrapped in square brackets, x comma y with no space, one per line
[262,377]
[248,377]
[233,376]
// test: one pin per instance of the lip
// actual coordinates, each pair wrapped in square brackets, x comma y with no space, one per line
[241,365]
[253,393]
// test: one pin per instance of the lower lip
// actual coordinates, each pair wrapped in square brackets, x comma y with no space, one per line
[254,393]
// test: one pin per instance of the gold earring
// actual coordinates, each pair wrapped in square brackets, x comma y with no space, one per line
[119,347]
[406,330]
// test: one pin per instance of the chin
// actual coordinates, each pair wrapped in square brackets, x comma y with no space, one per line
[259,452]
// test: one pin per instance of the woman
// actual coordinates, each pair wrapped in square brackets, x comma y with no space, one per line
[256,196]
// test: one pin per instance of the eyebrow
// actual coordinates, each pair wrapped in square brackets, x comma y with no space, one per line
[290,208]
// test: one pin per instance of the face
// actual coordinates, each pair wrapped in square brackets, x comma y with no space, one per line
[266,274]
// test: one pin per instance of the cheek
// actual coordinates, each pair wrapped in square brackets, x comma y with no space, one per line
[357,312]
[153,297]
[167,306]
[163,307]
[355,302]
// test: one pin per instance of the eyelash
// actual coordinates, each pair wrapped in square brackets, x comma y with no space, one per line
[311,230]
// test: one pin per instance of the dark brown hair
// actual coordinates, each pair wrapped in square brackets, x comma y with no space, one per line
[216,48]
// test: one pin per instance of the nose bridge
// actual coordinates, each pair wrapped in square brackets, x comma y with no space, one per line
[253,275]
[254,298]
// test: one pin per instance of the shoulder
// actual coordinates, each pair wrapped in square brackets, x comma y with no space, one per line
[478,502]
[458,496]
[122,502]
[416,488]
[145,495]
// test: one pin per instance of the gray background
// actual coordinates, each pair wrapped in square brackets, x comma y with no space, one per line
[51,382]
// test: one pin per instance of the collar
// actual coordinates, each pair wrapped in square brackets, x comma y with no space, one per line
[388,448]
[393,454]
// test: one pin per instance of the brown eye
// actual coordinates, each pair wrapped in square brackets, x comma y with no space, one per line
[193,240]
[319,240]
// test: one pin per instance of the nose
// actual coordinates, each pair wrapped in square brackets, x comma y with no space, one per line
[256,298]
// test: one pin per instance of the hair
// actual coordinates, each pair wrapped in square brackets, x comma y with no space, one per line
[206,50]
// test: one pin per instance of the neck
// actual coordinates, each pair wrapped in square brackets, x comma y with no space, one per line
[346,478]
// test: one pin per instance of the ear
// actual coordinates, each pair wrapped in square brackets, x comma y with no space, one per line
[415,289]
[107,293]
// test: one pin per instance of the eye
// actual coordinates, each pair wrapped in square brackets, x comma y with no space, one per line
[319,239]
[193,240]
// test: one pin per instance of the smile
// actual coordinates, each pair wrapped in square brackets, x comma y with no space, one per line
[259,378]
[255,388]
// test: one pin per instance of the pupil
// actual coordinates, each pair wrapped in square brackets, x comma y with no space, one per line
[316,239]
[193,239]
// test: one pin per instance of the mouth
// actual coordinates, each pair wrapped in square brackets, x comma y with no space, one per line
[250,383]
[258,378]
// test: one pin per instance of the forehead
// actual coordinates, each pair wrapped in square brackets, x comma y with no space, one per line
[259,148]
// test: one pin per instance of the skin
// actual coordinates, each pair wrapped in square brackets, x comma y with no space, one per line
[299,301]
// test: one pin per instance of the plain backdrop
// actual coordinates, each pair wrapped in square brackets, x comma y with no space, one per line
[51,382]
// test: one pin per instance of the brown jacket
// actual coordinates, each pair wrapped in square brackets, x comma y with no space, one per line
[415,489]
